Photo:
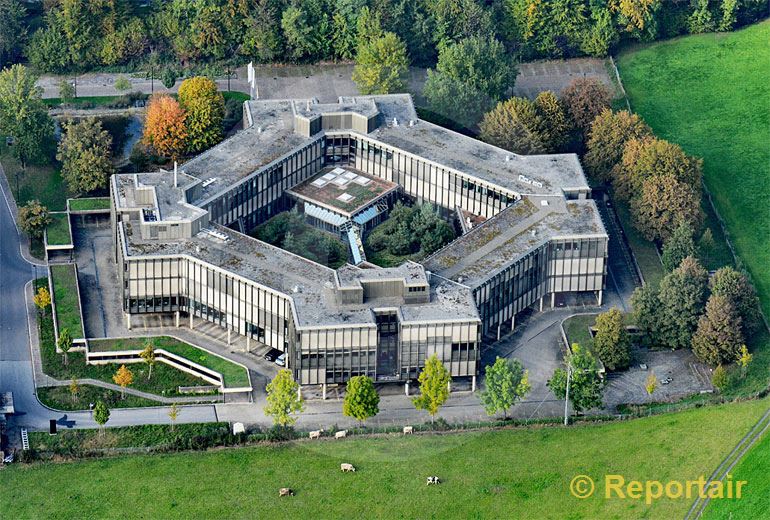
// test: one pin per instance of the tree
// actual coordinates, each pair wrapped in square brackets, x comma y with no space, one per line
[678,247]
[85,152]
[706,245]
[647,157]
[381,65]
[701,20]
[123,377]
[148,355]
[637,15]
[729,10]
[74,389]
[719,378]
[584,99]
[505,382]
[735,286]
[164,126]
[651,384]
[609,133]
[611,342]
[434,387]
[122,83]
[168,77]
[305,27]
[42,299]
[34,218]
[683,294]
[64,342]
[665,204]
[556,125]
[13,31]
[602,34]
[101,415]
[66,92]
[470,77]
[361,399]
[262,39]
[516,126]
[173,414]
[744,359]
[646,305]
[23,114]
[718,338]
[586,386]
[205,109]
[283,399]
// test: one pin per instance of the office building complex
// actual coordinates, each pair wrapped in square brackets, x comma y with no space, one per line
[529,231]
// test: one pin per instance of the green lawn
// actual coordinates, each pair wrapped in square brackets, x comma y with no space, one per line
[97,101]
[513,473]
[89,203]
[41,182]
[754,469]
[235,376]
[60,398]
[58,231]
[644,251]
[238,96]
[65,292]
[709,93]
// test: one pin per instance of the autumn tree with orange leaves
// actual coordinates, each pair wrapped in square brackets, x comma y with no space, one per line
[165,128]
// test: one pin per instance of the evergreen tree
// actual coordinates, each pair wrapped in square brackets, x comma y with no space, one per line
[736,287]
[647,313]
[678,247]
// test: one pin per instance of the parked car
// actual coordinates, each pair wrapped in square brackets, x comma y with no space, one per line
[281,360]
[272,354]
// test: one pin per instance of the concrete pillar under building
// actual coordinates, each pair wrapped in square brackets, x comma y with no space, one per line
[128,321]
[248,343]
[406,388]
[299,392]
[498,333]
[176,319]
[599,299]
[323,391]
[229,335]
[513,322]
[541,303]
[553,300]
[191,321]
[449,385]
[473,384]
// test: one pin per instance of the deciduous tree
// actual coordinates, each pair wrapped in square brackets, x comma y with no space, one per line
[34,218]
[42,299]
[173,414]
[719,378]
[74,389]
[744,359]
[505,382]
[611,342]
[23,115]
[586,387]
[735,286]
[204,106]
[101,415]
[609,133]
[678,247]
[165,127]
[516,126]
[584,99]
[651,384]
[646,310]
[123,377]
[361,399]
[64,343]
[381,65]
[66,92]
[718,338]
[283,399]
[665,204]
[556,126]
[85,152]
[122,83]
[148,356]
[13,31]
[683,294]
[434,387]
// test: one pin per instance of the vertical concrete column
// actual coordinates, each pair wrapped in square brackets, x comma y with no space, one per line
[513,322]
[449,385]
[299,392]
[473,384]
[541,303]
[229,335]
[406,388]
[191,321]
[553,300]
[498,333]
[600,297]
[128,321]
[248,342]
[176,318]
[323,390]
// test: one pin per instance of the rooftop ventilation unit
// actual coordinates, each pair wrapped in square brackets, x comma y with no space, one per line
[209,181]
[217,234]
[395,121]
[411,122]
[507,158]
[543,202]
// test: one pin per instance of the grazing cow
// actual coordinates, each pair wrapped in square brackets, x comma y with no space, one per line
[341,434]
[432,480]
[345,467]
[286,492]
[316,434]
[408,429]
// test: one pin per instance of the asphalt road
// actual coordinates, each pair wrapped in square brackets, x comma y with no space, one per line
[16,373]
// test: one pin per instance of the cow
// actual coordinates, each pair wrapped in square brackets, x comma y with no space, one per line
[341,434]
[408,429]
[432,480]
[345,467]
[285,492]
[316,434]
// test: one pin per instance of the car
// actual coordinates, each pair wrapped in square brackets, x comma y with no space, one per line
[281,360]
[272,354]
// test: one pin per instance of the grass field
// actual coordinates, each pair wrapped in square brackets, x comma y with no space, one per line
[709,93]
[41,182]
[754,469]
[89,203]
[235,376]
[60,398]
[58,231]
[514,473]
[66,299]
